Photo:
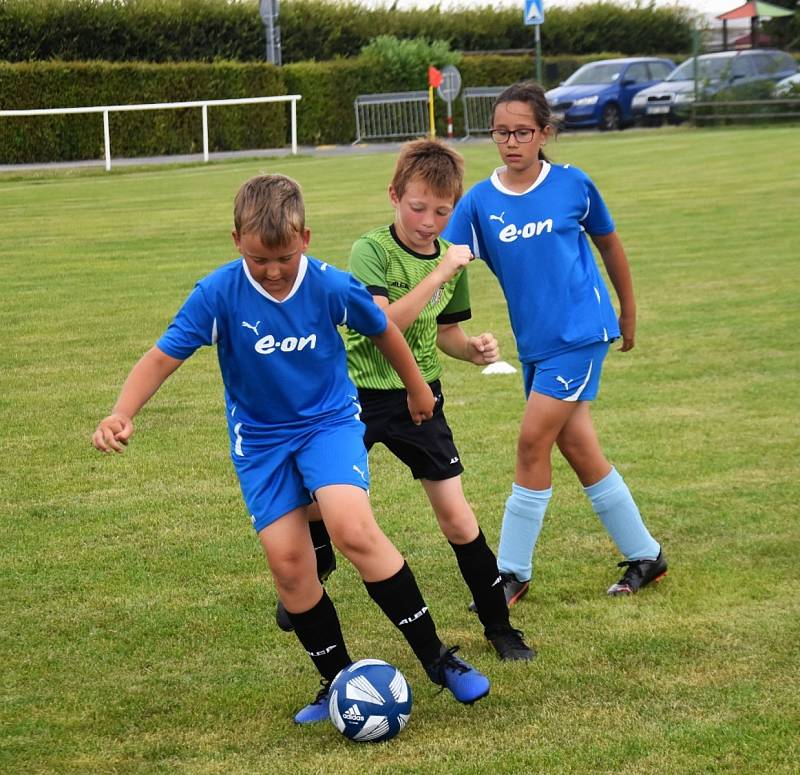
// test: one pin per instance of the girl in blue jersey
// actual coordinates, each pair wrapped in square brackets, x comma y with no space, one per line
[529,221]
[292,413]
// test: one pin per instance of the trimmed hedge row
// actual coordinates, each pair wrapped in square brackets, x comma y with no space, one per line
[210,30]
[325,112]
[136,133]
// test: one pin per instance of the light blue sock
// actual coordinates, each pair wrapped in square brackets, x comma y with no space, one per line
[522,522]
[613,503]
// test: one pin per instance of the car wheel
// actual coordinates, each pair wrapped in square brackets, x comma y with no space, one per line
[611,118]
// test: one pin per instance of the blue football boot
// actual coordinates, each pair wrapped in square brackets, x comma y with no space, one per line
[317,710]
[465,683]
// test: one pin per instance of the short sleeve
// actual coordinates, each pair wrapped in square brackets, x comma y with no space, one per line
[458,308]
[368,263]
[193,327]
[362,314]
[597,220]
[460,229]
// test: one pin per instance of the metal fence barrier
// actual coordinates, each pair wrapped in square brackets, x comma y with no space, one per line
[202,104]
[478,101]
[734,111]
[397,114]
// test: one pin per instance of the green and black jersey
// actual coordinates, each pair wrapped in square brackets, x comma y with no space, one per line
[388,268]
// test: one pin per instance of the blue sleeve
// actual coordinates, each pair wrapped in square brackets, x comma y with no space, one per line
[362,314]
[193,327]
[460,229]
[597,219]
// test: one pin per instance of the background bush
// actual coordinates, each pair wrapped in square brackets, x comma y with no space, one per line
[139,133]
[208,30]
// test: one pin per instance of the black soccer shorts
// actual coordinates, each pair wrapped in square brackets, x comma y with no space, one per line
[428,449]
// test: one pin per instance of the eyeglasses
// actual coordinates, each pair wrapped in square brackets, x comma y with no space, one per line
[522,135]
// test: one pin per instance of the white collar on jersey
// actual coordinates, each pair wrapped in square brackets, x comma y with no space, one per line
[495,178]
[301,273]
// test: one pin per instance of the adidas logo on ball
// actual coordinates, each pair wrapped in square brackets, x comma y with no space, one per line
[352,714]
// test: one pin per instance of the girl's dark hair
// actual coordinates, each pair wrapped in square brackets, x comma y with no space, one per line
[532,94]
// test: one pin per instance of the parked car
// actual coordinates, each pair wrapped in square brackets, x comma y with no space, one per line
[788,85]
[729,70]
[600,93]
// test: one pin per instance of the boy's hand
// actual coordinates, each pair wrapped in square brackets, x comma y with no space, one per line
[421,404]
[483,349]
[453,261]
[113,433]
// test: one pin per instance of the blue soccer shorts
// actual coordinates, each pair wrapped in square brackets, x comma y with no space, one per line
[282,475]
[570,376]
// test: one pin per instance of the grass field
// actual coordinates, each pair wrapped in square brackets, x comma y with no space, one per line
[137,631]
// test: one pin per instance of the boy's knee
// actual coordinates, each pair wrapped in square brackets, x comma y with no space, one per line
[358,537]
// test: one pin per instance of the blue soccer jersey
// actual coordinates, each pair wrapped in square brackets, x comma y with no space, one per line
[283,363]
[536,245]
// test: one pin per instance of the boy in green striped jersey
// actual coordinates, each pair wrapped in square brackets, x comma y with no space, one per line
[419,280]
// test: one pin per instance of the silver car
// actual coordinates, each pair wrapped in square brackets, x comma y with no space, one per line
[671,99]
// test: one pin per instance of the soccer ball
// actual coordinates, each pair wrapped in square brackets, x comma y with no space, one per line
[370,701]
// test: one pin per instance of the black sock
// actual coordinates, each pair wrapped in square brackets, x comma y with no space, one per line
[322,546]
[400,599]
[319,631]
[478,566]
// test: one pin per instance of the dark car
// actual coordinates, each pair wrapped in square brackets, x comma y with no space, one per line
[600,93]
[730,70]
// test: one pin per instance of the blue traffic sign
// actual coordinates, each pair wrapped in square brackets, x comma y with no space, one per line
[534,11]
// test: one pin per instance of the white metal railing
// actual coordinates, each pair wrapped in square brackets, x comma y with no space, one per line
[106,109]
[399,114]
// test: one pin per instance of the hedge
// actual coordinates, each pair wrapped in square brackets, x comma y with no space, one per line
[210,30]
[136,133]
[325,112]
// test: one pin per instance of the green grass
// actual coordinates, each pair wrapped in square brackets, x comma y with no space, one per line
[137,630]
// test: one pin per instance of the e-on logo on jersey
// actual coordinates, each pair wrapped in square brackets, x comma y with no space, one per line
[268,344]
[512,232]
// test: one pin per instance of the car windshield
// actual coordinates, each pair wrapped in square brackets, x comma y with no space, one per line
[708,69]
[598,73]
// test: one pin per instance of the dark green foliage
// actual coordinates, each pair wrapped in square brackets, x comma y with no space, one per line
[136,133]
[207,30]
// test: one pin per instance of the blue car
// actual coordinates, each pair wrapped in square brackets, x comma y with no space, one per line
[600,93]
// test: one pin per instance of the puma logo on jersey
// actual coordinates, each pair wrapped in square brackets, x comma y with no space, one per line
[414,617]
[498,217]
[245,324]
[268,344]
[512,232]
[564,382]
[360,473]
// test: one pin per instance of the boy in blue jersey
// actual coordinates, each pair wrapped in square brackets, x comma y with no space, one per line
[529,221]
[293,424]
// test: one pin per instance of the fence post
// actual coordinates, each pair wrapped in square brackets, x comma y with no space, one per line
[205,131]
[294,127]
[107,140]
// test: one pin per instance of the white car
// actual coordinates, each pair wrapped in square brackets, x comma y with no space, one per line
[786,85]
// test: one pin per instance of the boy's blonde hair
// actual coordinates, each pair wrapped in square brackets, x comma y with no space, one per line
[437,165]
[272,207]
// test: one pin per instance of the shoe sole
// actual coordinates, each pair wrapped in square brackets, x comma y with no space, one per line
[514,598]
[626,591]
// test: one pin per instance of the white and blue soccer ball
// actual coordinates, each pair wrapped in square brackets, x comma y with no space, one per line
[370,701]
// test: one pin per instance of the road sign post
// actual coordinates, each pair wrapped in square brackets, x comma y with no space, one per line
[448,90]
[534,14]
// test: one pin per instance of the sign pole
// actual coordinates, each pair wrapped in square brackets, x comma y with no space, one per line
[533,13]
[431,116]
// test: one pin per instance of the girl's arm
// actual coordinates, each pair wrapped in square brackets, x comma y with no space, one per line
[145,378]
[619,272]
[394,348]
[453,340]
[406,309]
